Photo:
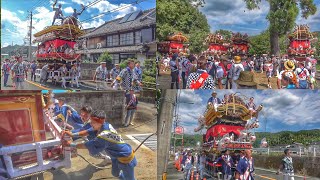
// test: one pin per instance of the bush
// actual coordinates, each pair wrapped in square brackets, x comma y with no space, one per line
[105,57]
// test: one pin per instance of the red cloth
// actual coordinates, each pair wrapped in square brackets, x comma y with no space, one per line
[221,130]
[176,45]
[217,47]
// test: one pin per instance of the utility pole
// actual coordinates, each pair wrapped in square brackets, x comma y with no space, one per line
[30,37]
[165,121]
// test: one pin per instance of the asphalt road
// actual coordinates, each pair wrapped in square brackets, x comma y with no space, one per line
[260,174]
[31,85]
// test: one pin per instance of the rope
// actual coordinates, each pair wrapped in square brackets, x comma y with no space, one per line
[99,167]
[108,167]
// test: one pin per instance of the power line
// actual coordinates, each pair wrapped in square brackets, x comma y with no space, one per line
[113,10]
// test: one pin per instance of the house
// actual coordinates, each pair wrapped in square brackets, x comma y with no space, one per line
[132,36]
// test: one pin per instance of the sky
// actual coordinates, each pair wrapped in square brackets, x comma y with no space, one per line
[233,15]
[282,109]
[14,22]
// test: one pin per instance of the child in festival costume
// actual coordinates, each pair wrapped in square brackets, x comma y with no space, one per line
[200,79]
[268,67]
[287,78]
[122,155]
[302,76]
[236,68]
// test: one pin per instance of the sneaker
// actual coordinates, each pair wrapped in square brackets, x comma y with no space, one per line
[131,124]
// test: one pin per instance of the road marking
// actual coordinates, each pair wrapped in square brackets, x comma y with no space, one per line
[150,144]
[265,177]
[35,84]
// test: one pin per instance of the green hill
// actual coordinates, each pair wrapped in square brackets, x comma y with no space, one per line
[280,138]
[304,137]
[16,49]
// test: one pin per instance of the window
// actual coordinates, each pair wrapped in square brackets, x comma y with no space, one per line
[147,35]
[115,58]
[126,39]
[138,37]
[127,56]
[113,40]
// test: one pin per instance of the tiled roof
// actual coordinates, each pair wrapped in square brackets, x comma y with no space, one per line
[112,50]
[147,18]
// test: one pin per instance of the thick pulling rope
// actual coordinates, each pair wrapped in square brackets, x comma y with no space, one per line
[108,167]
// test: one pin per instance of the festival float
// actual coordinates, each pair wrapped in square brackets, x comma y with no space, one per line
[229,126]
[300,41]
[218,45]
[57,46]
[240,44]
[175,43]
[30,138]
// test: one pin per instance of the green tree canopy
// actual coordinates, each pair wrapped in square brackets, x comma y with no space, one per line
[105,57]
[180,16]
[282,16]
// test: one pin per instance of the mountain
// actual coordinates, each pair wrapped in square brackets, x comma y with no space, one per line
[17,49]
[304,137]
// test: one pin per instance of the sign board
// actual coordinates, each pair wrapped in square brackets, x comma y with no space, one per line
[179,130]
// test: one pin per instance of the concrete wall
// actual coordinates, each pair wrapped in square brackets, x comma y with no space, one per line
[88,70]
[112,102]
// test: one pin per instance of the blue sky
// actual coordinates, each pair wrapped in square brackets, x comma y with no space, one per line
[233,15]
[283,109]
[14,24]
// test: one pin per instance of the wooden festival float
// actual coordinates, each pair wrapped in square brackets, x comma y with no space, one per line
[57,46]
[240,44]
[228,127]
[175,43]
[217,44]
[30,138]
[300,42]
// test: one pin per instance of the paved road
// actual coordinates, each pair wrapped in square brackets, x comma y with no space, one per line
[260,174]
[31,85]
[150,143]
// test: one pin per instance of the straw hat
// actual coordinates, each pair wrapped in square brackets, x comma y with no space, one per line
[237,59]
[289,65]
[246,78]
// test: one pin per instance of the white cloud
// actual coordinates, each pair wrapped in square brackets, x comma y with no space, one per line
[104,6]
[96,23]
[42,17]
[68,10]
[21,12]
[84,2]
[125,11]
[5,45]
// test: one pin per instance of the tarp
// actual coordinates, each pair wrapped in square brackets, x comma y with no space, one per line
[221,130]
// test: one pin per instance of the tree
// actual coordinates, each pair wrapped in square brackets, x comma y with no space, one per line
[105,57]
[282,15]
[180,16]
[227,35]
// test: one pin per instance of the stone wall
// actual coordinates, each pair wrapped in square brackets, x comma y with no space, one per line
[303,165]
[87,70]
[112,102]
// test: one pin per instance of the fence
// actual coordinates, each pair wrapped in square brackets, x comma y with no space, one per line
[300,151]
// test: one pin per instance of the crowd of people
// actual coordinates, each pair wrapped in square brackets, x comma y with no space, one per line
[222,72]
[121,79]
[90,130]
[238,164]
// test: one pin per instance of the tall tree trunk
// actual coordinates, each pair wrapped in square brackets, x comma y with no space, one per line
[274,42]
[274,34]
